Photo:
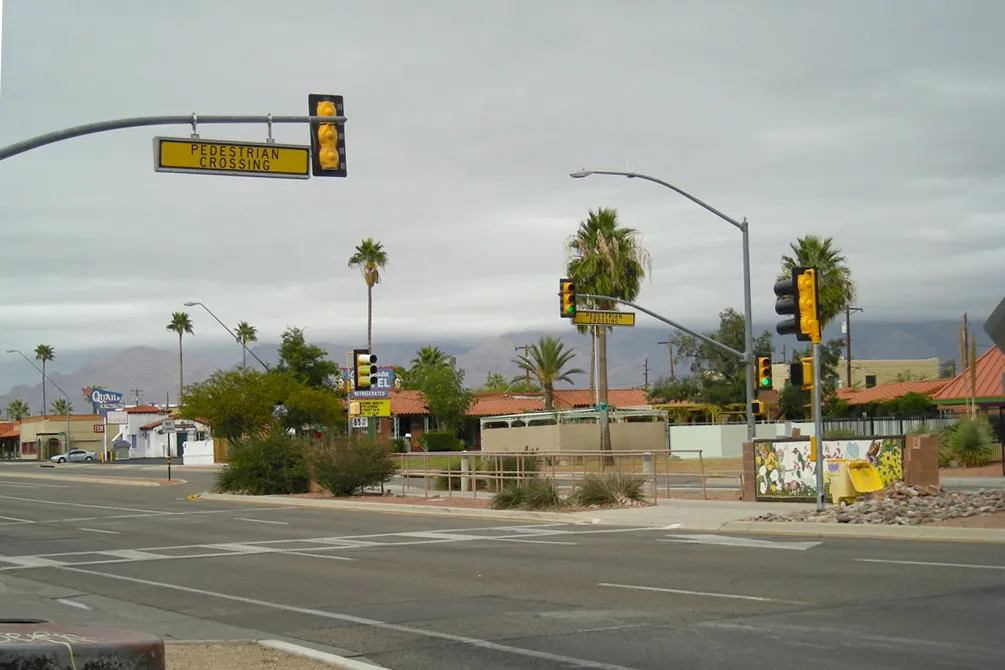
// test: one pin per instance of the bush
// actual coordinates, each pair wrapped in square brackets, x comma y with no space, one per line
[610,489]
[275,464]
[971,442]
[512,468]
[400,446]
[345,466]
[535,493]
[440,442]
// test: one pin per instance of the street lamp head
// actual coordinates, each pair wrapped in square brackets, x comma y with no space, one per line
[191,304]
[580,174]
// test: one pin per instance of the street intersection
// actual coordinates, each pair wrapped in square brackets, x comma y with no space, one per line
[425,592]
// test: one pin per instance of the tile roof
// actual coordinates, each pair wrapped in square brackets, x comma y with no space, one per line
[154,424]
[890,391]
[146,409]
[990,365]
[496,404]
[8,429]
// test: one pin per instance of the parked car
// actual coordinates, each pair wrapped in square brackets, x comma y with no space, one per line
[74,456]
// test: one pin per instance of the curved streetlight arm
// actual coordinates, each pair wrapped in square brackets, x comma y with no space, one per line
[703,338]
[227,328]
[740,225]
[47,378]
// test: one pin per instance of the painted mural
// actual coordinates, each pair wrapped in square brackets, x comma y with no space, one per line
[783,470]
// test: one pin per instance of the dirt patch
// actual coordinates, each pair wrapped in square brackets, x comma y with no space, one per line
[990,470]
[995,520]
[237,656]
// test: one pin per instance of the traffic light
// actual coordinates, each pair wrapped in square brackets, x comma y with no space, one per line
[764,372]
[567,291]
[327,139]
[797,297]
[801,373]
[362,369]
[758,407]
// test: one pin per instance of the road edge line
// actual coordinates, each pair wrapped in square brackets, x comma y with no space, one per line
[324,657]
[85,479]
[919,533]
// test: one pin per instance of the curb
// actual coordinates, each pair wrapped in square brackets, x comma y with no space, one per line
[866,531]
[386,508]
[114,481]
[324,657]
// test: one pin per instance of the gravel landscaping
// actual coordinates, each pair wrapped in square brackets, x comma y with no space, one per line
[903,505]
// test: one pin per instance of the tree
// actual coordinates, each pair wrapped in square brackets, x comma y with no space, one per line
[606,258]
[181,323]
[834,283]
[442,389]
[61,406]
[717,377]
[794,402]
[495,382]
[44,353]
[246,333]
[370,257]
[242,403]
[306,362]
[546,361]
[427,356]
[18,410]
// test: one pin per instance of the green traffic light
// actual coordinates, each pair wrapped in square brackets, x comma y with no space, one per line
[570,309]
[765,381]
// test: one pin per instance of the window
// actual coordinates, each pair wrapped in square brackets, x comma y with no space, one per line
[870,381]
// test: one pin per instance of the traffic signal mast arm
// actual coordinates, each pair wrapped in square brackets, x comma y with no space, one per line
[703,338]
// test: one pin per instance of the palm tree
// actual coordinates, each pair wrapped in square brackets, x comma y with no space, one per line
[44,352]
[606,258]
[61,406]
[429,355]
[547,361]
[370,257]
[495,382]
[246,333]
[181,323]
[834,282]
[18,410]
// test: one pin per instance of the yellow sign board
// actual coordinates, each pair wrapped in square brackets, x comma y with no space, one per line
[603,318]
[370,408]
[243,159]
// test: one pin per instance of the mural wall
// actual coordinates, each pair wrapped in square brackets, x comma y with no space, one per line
[783,470]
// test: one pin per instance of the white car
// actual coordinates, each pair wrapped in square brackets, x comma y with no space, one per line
[74,456]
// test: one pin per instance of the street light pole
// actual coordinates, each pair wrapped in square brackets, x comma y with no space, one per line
[227,328]
[47,378]
[743,227]
[847,342]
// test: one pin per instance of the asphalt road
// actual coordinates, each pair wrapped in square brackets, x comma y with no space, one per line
[414,593]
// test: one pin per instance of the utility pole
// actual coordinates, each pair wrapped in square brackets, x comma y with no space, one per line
[526,372]
[645,373]
[669,343]
[137,394]
[847,342]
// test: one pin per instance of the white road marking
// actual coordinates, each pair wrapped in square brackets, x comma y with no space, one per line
[29,562]
[100,530]
[239,548]
[75,504]
[934,565]
[516,539]
[747,542]
[362,621]
[733,596]
[15,519]
[73,603]
[133,554]
[278,523]
[23,485]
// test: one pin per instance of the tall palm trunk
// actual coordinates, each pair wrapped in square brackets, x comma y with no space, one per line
[593,362]
[181,370]
[45,410]
[244,354]
[602,387]
[369,317]
[549,395]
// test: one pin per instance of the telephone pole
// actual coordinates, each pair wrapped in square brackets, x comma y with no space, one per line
[137,394]
[669,344]
[847,342]
[526,350]
[645,373]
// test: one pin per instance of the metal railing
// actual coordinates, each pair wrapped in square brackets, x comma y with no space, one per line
[475,473]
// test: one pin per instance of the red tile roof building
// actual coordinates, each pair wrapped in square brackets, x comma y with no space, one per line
[891,391]
[988,372]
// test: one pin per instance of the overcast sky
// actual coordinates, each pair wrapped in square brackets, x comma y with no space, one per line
[875,122]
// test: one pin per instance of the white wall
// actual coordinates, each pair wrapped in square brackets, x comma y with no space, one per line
[155,442]
[199,452]
[722,440]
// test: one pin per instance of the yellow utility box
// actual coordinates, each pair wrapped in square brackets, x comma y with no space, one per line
[842,490]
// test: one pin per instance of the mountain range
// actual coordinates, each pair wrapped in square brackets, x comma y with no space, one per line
[148,374]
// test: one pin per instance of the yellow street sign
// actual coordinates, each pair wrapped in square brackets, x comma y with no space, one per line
[243,159]
[603,318]
[372,407]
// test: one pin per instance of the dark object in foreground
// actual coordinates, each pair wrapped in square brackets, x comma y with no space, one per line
[36,644]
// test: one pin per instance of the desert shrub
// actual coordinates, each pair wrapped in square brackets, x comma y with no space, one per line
[512,468]
[440,442]
[345,466]
[610,489]
[533,493]
[971,442]
[400,446]
[273,464]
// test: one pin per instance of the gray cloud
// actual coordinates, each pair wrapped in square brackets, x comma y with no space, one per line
[872,122]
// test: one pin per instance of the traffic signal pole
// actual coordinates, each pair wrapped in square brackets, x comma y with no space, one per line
[818,425]
[140,121]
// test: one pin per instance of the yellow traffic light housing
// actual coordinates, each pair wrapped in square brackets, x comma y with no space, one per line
[567,291]
[764,372]
[801,374]
[809,320]
[327,139]
[758,407]
[362,371]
